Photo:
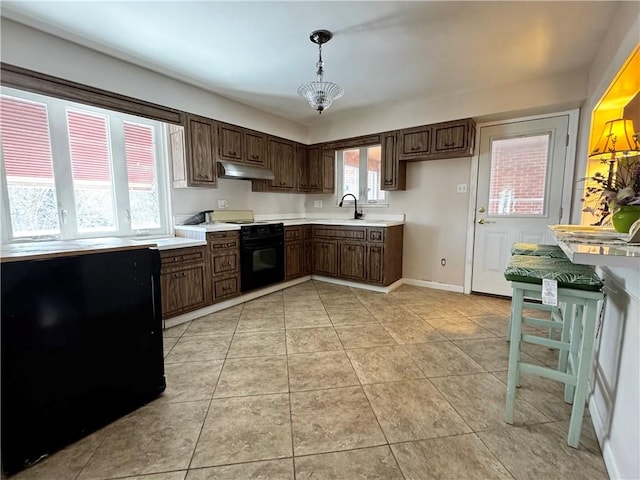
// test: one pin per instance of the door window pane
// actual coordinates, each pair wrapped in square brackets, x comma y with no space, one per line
[519,175]
[91,170]
[142,176]
[28,164]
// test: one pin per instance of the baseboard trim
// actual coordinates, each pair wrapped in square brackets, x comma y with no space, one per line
[605,445]
[436,285]
[232,302]
[362,286]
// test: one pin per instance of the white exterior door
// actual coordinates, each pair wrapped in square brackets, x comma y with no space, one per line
[519,192]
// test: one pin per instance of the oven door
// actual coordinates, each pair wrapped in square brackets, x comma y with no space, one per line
[261,262]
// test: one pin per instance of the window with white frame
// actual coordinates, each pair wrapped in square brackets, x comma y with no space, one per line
[74,171]
[358,172]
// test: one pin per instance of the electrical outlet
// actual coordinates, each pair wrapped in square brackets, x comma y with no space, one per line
[222,203]
[317,203]
[461,188]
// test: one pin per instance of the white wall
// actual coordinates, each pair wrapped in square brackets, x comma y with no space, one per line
[615,403]
[436,219]
[540,95]
[39,51]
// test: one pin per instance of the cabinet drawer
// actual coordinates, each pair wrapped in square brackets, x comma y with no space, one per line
[292,234]
[339,233]
[226,263]
[375,235]
[222,240]
[172,258]
[225,287]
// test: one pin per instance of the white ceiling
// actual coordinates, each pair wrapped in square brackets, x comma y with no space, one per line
[258,53]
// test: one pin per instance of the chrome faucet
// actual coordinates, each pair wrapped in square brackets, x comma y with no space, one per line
[356,215]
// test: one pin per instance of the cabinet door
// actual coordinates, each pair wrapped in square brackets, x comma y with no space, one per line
[293,260]
[302,161]
[282,163]
[328,170]
[307,257]
[200,141]
[454,138]
[375,264]
[183,289]
[325,258]
[351,261]
[394,172]
[414,142]
[314,169]
[230,144]
[255,144]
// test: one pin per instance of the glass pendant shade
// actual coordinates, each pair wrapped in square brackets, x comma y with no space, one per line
[618,137]
[320,94]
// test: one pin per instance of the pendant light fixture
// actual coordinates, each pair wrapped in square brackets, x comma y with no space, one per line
[320,94]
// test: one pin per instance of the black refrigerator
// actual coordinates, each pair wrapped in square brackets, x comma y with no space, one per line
[81,346]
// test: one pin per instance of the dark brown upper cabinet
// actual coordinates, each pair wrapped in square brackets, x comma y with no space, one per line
[230,143]
[302,160]
[328,159]
[454,139]
[193,152]
[240,145]
[414,142]
[255,147]
[314,169]
[394,172]
[282,163]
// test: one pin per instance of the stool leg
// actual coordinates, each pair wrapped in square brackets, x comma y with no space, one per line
[584,367]
[576,323]
[567,315]
[514,353]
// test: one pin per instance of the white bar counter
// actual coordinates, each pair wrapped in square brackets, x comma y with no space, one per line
[601,246]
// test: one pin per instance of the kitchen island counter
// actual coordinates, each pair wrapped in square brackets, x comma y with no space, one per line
[596,246]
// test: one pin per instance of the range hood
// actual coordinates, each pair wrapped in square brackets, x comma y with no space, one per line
[243,172]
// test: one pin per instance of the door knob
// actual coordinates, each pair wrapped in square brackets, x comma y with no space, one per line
[481,210]
[482,221]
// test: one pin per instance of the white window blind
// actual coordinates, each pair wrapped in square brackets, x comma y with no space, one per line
[28,164]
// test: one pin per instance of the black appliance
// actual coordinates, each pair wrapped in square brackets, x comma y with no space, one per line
[81,347]
[261,255]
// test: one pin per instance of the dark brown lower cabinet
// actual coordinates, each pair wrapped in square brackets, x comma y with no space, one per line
[224,264]
[363,254]
[375,263]
[352,261]
[183,281]
[293,260]
[325,257]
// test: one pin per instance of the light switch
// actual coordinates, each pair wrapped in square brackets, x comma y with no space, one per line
[222,203]
[461,188]
[317,203]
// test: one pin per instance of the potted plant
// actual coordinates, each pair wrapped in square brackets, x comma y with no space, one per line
[616,196]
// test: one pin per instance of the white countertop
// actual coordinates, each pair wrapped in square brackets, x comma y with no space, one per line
[389,221]
[57,248]
[596,246]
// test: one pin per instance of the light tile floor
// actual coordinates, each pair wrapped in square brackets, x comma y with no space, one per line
[327,382]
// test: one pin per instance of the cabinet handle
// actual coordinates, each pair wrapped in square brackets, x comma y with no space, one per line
[283,183]
[452,144]
[415,148]
[232,153]
[254,157]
